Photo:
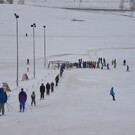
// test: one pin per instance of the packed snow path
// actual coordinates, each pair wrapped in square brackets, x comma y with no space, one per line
[79,105]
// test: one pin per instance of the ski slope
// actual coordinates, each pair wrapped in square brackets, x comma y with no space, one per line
[81,104]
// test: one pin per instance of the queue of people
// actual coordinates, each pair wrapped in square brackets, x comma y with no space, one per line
[45,90]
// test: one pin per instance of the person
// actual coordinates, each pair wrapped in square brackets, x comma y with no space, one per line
[3,100]
[127,68]
[124,62]
[33,96]
[112,93]
[52,86]
[57,79]
[22,99]
[47,89]
[42,91]
[108,66]
[28,61]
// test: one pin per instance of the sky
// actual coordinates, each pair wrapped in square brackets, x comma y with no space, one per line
[81,103]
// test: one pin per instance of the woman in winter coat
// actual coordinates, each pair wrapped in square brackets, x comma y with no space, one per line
[3,100]
[112,93]
[52,86]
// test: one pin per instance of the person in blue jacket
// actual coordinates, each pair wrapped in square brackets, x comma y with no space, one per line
[3,100]
[112,93]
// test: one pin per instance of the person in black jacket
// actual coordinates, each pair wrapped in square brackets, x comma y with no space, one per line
[47,89]
[42,91]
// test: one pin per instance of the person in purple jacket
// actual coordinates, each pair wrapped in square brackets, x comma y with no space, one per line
[22,99]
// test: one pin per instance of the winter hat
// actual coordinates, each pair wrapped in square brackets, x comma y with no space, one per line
[1,89]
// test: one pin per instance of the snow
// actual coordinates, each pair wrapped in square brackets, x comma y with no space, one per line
[80,104]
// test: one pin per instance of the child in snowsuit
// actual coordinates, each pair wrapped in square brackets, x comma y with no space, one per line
[22,99]
[112,94]
[33,96]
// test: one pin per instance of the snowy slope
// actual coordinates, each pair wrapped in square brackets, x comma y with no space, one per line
[81,4]
[81,104]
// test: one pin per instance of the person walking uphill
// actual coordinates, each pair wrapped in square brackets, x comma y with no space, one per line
[52,86]
[42,91]
[47,89]
[3,100]
[112,93]
[22,99]
[57,79]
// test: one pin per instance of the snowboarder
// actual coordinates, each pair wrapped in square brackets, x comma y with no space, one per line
[33,96]
[3,100]
[52,86]
[22,99]
[112,93]
[47,89]
[42,91]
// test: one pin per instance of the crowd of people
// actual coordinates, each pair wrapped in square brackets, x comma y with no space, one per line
[49,87]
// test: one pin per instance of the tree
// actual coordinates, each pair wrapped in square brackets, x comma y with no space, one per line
[132,6]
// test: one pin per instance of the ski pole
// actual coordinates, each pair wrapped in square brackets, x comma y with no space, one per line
[7,107]
[10,106]
[29,107]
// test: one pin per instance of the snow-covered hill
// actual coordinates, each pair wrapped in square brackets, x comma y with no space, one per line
[81,104]
[81,4]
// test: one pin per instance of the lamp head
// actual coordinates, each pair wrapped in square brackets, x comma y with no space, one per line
[17,16]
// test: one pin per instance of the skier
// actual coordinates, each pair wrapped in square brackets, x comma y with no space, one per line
[52,86]
[33,96]
[22,99]
[3,100]
[112,93]
[47,89]
[42,91]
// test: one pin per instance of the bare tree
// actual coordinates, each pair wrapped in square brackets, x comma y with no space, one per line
[21,2]
[10,1]
[122,6]
[1,1]
[132,6]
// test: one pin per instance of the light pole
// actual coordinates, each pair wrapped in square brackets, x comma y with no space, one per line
[44,47]
[33,25]
[17,16]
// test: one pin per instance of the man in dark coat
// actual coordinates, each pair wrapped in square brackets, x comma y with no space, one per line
[57,79]
[42,91]
[3,100]
[47,89]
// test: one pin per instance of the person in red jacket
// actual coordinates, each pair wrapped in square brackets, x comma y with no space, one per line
[22,99]
[52,86]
